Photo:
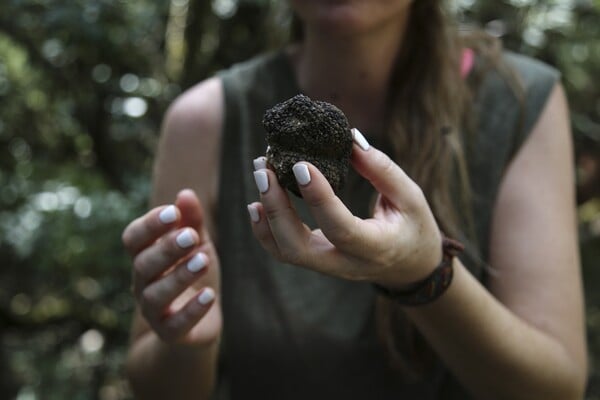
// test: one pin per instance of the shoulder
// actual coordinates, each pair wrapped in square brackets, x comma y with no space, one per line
[190,132]
[200,109]
[188,150]
[536,80]
[533,74]
[196,114]
[510,92]
[518,83]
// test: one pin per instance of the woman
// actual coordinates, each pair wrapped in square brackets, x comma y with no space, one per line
[297,316]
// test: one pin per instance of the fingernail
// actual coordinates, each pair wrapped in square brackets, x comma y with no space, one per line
[253,211]
[260,163]
[206,296]
[197,263]
[262,181]
[185,239]
[360,139]
[301,173]
[168,215]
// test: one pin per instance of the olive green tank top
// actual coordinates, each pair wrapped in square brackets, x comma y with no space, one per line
[290,333]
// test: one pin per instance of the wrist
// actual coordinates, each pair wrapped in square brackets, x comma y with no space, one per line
[432,286]
[416,268]
[178,349]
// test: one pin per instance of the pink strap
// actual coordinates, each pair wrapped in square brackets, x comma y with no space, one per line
[468,59]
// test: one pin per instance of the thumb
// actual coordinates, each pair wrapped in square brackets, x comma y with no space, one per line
[192,213]
[384,174]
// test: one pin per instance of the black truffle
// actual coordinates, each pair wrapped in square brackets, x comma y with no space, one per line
[300,129]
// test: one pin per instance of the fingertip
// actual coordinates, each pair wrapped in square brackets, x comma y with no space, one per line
[197,262]
[186,200]
[261,178]
[186,238]
[206,296]
[168,214]
[186,192]
[192,212]
[360,139]
[301,173]
[311,181]
[254,212]
[259,163]
[178,322]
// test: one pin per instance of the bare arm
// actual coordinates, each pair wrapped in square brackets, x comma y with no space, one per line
[180,363]
[525,339]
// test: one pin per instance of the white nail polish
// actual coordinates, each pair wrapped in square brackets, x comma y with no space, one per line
[206,296]
[197,263]
[168,215]
[185,239]
[260,163]
[301,173]
[262,181]
[253,211]
[360,139]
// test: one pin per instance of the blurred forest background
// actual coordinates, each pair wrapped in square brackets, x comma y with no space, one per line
[83,87]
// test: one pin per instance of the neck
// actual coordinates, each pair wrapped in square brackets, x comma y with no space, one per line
[352,72]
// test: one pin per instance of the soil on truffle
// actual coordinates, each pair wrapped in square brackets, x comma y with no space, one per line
[300,129]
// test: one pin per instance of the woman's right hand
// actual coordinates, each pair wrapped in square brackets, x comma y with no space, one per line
[176,272]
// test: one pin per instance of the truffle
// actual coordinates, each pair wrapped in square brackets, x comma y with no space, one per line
[300,129]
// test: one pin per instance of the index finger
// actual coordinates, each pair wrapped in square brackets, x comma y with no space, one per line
[346,231]
[145,230]
[384,174]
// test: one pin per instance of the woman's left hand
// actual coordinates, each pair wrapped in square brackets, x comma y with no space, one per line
[399,245]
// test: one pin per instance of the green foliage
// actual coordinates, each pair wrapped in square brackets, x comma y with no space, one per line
[82,91]
[83,87]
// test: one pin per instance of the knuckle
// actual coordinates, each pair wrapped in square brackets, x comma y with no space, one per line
[181,277]
[262,234]
[148,224]
[170,250]
[343,234]
[317,201]
[139,267]
[168,330]
[419,200]
[173,326]
[149,302]
[126,238]
[391,254]
[387,165]
[417,192]
[291,256]
[274,213]
[165,333]
[386,257]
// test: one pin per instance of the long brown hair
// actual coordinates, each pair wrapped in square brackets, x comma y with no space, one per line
[426,116]
[426,129]
[428,126]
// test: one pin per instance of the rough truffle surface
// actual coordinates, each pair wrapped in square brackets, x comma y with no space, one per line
[300,129]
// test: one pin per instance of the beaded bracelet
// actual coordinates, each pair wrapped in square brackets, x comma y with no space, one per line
[434,285]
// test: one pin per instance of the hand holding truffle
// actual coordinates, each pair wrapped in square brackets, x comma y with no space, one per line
[399,245]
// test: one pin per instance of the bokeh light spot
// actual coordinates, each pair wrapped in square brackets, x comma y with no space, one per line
[135,107]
